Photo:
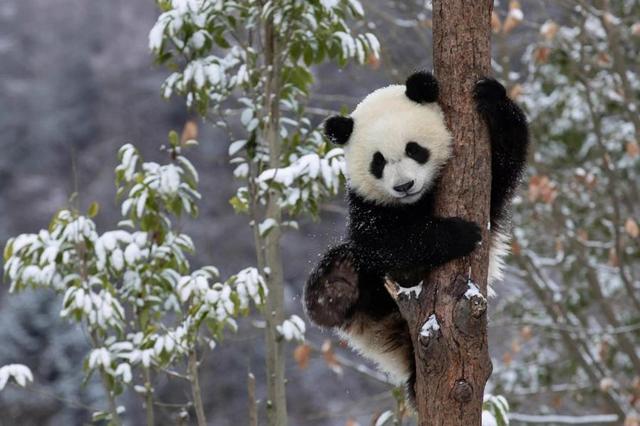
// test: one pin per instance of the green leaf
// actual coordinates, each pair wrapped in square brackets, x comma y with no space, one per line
[163,57]
[308,55]
[174,140]
[320,53]
[220,40]
[119,176]
[8,250]
[295,51]
[238,205]
[94,209]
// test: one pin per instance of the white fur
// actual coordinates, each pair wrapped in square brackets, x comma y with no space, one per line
[386,120]
[497,252]
[370,338]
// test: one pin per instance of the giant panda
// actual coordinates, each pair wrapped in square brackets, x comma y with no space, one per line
[395,144]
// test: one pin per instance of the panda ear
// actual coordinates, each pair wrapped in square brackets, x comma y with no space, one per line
[338,129]
[422,87]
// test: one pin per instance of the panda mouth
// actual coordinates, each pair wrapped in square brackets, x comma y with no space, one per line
[409,195]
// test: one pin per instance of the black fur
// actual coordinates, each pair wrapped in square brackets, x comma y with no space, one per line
[406,241]
[376,167]
[422,87]
[417,152]
[338,129]
[509,136]
[332,290]
[394,239]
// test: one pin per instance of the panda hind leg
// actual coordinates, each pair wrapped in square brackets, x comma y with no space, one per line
[332,288]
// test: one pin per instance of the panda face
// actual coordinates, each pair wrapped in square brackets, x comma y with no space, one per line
[405,179]
[394,145]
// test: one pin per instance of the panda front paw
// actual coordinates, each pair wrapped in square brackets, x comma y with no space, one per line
[488,91]
[332,290]
[465,236]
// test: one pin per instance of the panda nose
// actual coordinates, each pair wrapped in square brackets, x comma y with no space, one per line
[404,187]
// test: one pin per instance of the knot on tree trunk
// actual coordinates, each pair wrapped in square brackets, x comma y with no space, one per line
[470,308]
[462,391]
[478,306]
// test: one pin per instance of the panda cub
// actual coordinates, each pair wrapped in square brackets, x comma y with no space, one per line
[395,144]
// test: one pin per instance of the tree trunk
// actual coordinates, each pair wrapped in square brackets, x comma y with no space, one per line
[276,390]
[452,361]
[196,392]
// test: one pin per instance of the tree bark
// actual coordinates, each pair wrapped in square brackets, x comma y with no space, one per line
[276,382]
[196,392]
[453,363]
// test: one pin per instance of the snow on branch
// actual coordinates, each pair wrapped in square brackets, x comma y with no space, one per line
[292,329]
[565,420]
[18,372]
[431,327]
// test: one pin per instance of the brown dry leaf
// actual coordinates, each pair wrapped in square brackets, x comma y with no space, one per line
[330,357]
[301,354]
[549,30]
[509,24]
[374,61]
[557,401]
[587,179]
[534,187]
[582,234]
[514,17]
[541,188]
[633,149]
[496,24]
[590,181]
[351,422]
[516,92]
[613,257]
[549,195]
[633,400]
[515,248]
[426,23]
[526,333]
[603,59]
[603,350]
[631,226]
[189,132]
[559,245]
[610,20]
[507,358]
[541,54]
[632,420]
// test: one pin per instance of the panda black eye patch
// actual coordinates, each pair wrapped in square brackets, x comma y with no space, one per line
[419,153]
[377,165]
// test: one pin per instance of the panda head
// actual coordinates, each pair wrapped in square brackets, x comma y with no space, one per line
[395,141]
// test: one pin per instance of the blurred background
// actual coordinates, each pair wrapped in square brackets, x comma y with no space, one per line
[77,81]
